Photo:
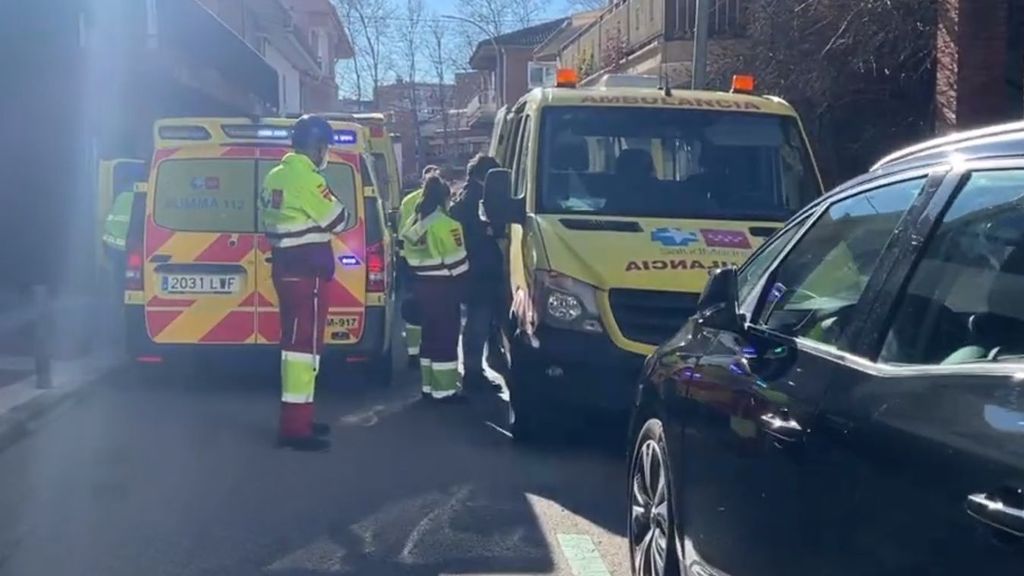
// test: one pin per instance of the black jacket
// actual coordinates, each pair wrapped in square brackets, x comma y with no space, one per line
[481,247]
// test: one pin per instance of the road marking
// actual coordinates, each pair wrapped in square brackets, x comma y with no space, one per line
[499,429]
[583,557]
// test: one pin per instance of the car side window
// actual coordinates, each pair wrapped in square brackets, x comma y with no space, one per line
[522,159]
[814,290]
[964,302]
[755,268]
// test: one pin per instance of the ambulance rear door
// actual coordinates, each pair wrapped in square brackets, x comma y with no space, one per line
[347,291]
[200,240]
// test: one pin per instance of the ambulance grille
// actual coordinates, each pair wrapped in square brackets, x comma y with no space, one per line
[651,316]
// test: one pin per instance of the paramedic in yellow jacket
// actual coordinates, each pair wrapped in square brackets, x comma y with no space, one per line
[300,216]
[410,310]
[436,254]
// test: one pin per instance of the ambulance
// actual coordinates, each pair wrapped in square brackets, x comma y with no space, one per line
[617,201]
[199,267]
[381,149]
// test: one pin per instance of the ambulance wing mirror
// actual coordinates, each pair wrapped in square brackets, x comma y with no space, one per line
[499,205]
[718,307]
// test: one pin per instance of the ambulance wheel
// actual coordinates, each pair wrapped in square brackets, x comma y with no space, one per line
[531,417]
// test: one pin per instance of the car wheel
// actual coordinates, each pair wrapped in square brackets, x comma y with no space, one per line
[530,410]
[651,523]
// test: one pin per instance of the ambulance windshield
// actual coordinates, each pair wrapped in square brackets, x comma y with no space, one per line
[672,163]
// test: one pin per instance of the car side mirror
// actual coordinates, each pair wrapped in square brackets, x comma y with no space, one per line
[499,205]
[718,307]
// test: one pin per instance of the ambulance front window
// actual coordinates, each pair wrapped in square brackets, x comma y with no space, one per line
[209,195]
[673,163]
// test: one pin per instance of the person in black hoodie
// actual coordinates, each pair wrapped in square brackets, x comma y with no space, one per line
[483,289]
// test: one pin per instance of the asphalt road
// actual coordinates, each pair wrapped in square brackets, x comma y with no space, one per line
[173,472]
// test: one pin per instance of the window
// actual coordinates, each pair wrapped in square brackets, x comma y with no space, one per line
[206,196]
[755,268]
[541,74]
[965,300]
[523,159]
[380,170]
[672,163]
[813,292]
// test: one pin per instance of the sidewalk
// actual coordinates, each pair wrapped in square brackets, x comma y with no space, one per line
[83,349]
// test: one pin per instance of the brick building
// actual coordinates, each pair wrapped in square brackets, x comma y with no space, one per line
[301,39]
[980,62]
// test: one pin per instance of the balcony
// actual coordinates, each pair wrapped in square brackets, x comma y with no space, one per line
[631,30]
[482,108]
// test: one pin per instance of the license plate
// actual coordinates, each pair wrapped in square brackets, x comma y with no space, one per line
[342,322]
[199,284]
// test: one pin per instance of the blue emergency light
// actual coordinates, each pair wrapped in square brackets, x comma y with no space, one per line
[344,136]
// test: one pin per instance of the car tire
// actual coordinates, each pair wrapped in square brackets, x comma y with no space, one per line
[531,414]
[651,514]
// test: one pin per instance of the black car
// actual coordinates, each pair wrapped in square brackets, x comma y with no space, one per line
[851,400]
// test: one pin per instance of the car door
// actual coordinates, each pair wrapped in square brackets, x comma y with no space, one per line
[929,434]
[753,494]
[199,273]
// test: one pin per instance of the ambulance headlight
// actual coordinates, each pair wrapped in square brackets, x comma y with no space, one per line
[565,302]
[564,307]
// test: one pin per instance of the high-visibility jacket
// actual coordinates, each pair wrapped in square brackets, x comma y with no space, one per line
[300,214]
[407,209]
[115,227]
[434,245]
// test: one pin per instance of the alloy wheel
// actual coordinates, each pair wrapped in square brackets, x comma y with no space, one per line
[649,518]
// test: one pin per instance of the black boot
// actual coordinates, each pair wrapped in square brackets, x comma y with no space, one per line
[321,429]
[306,444]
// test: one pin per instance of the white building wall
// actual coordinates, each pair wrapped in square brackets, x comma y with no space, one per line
[289,82]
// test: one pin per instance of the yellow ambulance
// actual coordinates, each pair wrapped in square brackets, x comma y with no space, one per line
[199,274]
[619,200]
[382,150]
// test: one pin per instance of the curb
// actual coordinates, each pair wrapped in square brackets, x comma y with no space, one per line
[75,380]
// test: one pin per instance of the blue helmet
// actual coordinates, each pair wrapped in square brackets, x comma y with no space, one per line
[311,131]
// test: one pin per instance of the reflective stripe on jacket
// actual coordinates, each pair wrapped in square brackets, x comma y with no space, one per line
[115,227]
[298,206]
[434,245]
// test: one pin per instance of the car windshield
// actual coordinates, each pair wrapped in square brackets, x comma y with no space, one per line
[672,163]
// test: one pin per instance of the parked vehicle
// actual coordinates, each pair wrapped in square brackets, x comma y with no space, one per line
[850,401]
[198,271]
[621,200]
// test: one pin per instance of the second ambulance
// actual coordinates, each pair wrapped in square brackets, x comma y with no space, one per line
[619,200]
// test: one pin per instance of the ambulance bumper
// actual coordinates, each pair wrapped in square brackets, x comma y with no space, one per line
[140,346]
[587,370]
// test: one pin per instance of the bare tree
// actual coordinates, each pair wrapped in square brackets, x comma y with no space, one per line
[841,61]
[500,16]
[370,22]
[409,32]
[439,55]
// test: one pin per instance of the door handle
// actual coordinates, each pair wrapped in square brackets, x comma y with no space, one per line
[268,259]
[781,427]
[1003,510]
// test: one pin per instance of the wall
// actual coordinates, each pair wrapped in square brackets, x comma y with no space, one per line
[290,86]
[516,63]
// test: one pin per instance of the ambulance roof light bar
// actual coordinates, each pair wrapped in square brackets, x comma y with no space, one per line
[743,84]
[257,132]
[566,78]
